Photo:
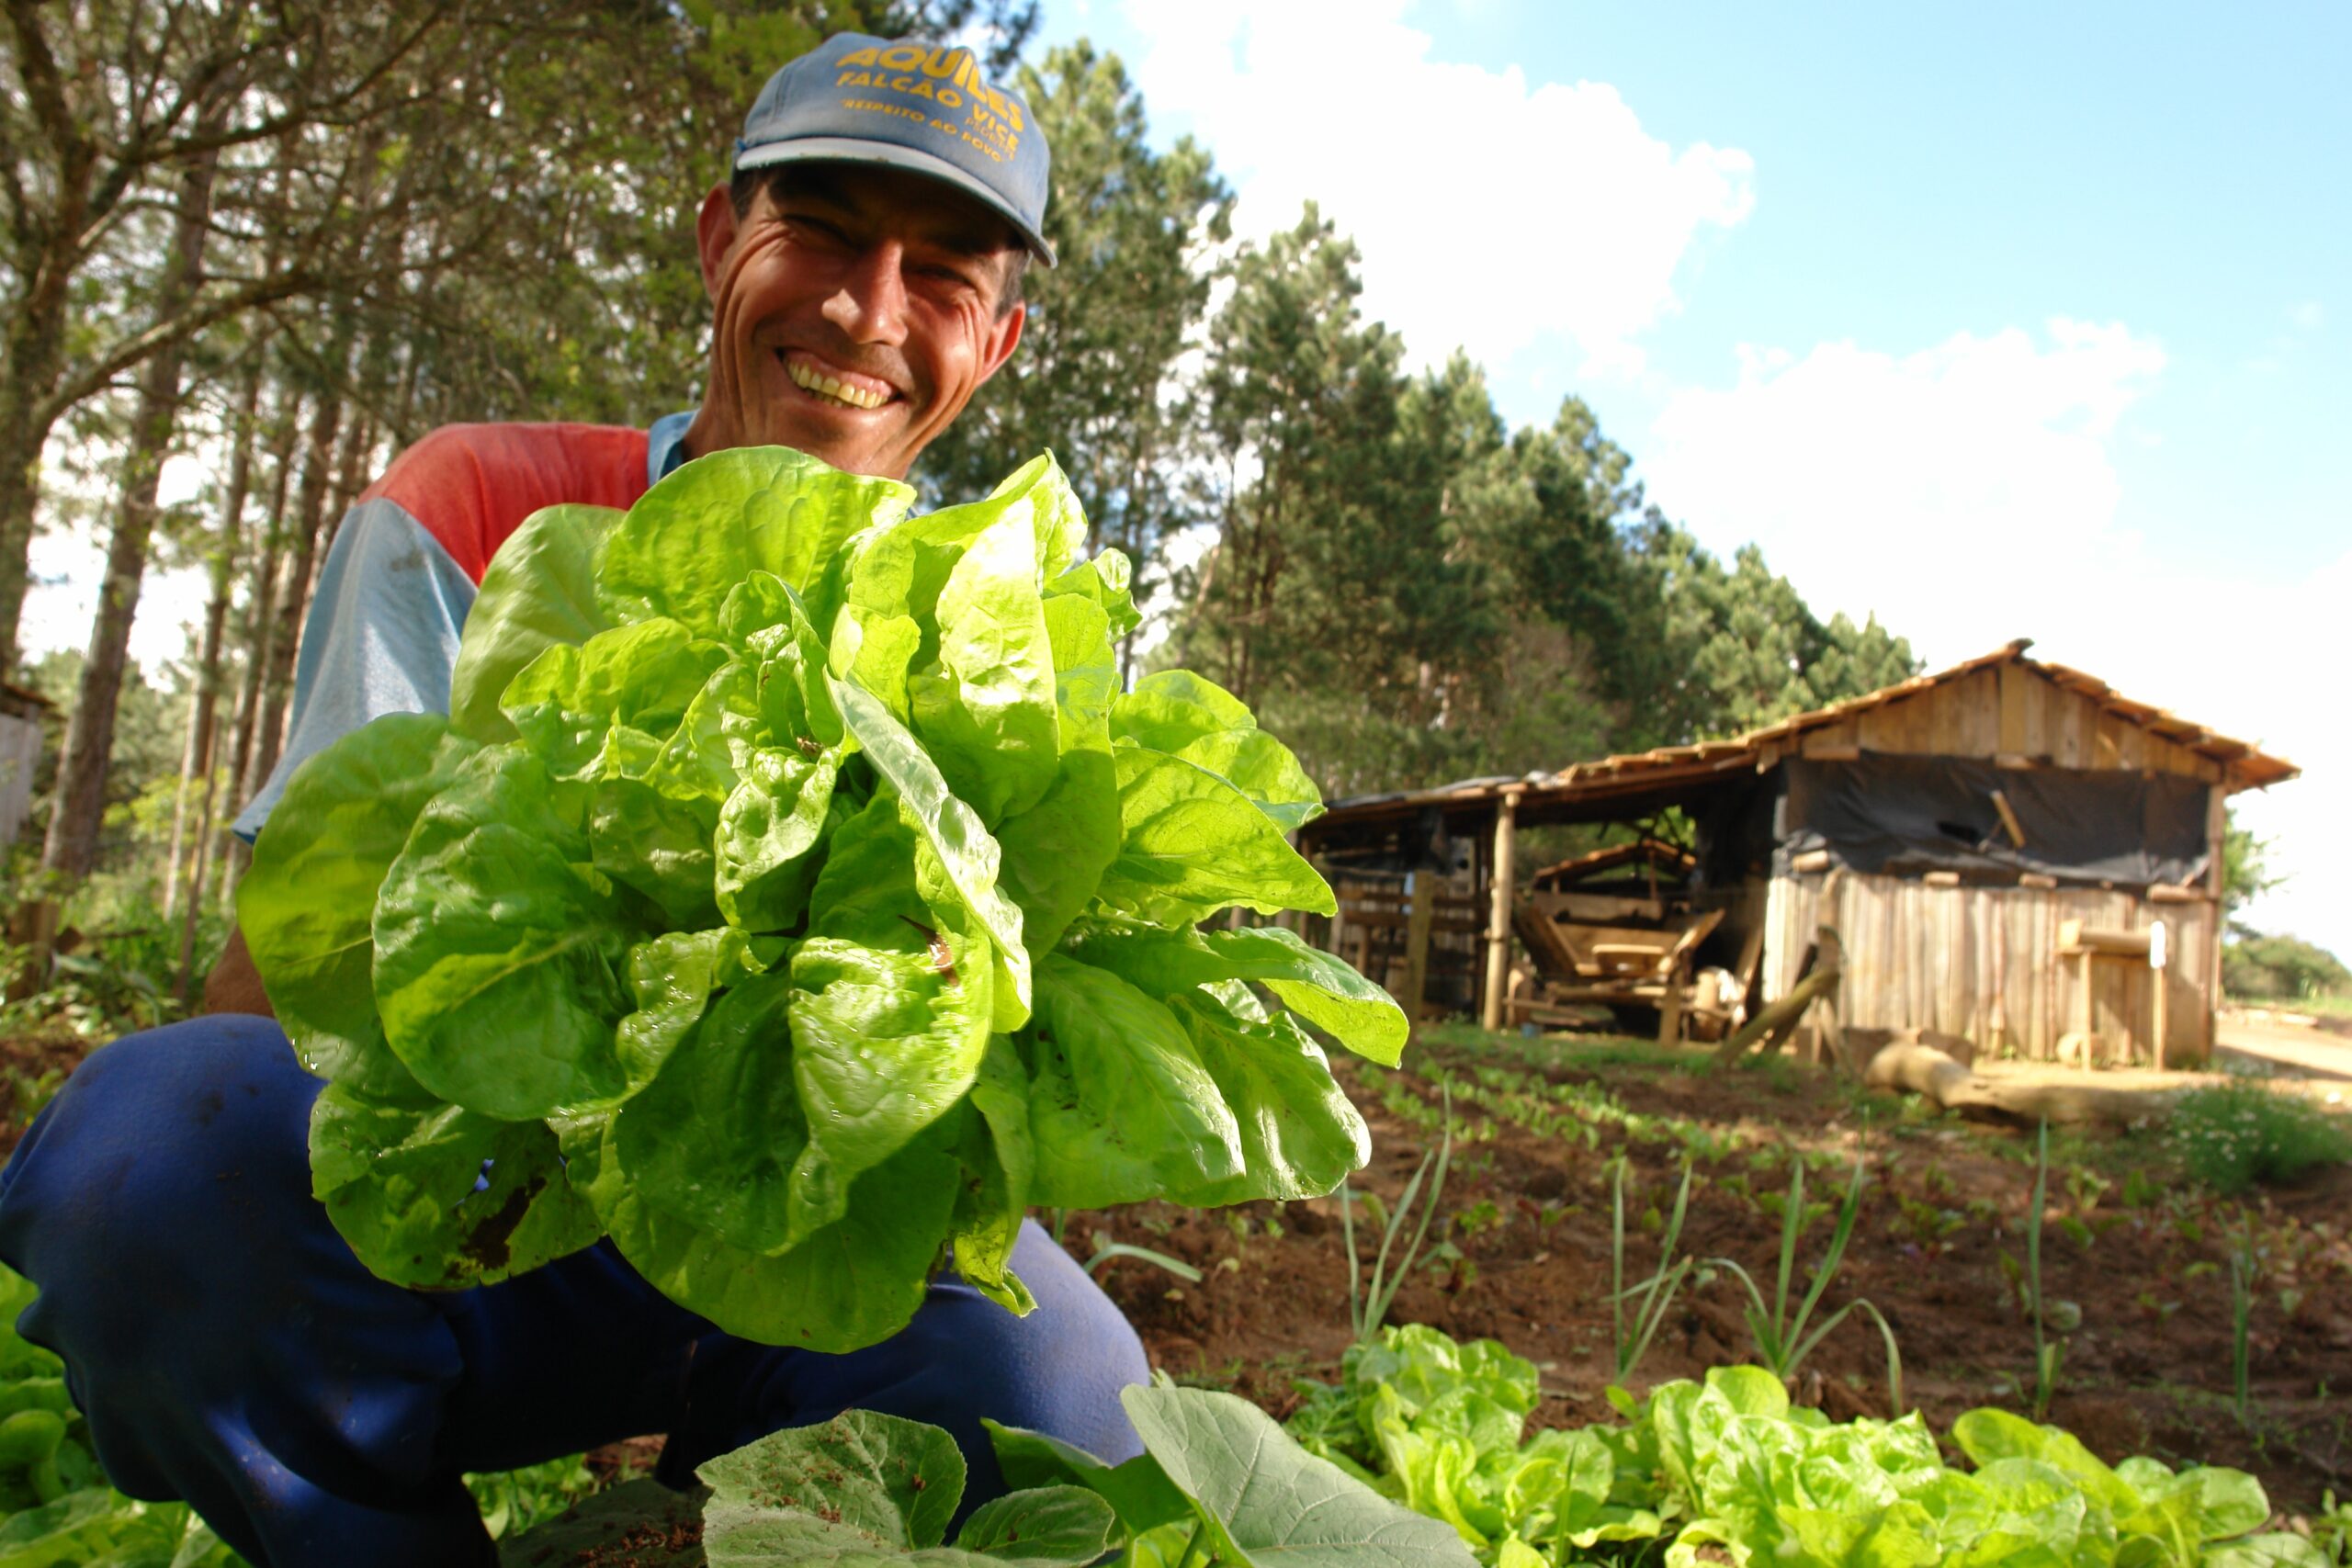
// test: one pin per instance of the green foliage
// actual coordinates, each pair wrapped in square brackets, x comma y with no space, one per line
[2281,968]
[807,901]
[1726,1469]
[2240,1133]
[2246,874]
[1219,1481]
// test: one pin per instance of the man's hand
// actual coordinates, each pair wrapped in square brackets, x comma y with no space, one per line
[234,985]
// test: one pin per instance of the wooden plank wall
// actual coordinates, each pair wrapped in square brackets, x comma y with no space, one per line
[1925,957]
[2005,711]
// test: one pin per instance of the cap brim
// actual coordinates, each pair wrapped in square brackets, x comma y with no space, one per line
[852,150]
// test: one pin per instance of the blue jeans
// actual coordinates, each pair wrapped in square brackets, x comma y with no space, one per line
[228,1349]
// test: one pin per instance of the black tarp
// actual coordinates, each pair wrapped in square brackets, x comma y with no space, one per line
[1902,815]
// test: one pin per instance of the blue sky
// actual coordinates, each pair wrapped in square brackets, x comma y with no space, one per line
[1996,320]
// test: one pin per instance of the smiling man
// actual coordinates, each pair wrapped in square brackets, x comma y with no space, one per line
[863,266]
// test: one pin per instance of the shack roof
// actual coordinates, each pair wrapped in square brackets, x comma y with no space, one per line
[1649,781]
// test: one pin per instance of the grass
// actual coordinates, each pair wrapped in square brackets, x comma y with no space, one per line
[2235,1135]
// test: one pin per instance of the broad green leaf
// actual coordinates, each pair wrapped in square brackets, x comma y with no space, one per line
[1104,581]
[1137,1489]
[540,591]
[851,1285]
[986,712]
[636,1521]
[490,927]
[656,845]
[1191,844]
[1185,716]
[307,903]
[967,854]
[1300,1135]
[1320,988]
[704,528]
[2277,1549]
[768,832]
[565,702]
[1000,1162]
[443,1197]
[1119,1104]
[1986,1435]
[889,1478]
[889,1010]
[1055,853]
[1055,1525]
[1269,1501]
[713,1138]
[671,977]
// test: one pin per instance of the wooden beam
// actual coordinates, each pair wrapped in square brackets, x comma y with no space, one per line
[1416,946]
[1498,920]
[2009,823]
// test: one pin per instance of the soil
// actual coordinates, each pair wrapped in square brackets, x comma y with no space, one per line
[2148,1369]
[1524,1227]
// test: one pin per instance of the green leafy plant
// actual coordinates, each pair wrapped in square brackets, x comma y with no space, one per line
[1368,1301]
[791,882]
[2241,1134]
[2049,1354]
[1218,1481]
[1782,1339]
[2242,1273]
[1651,1298]
[1107,1251]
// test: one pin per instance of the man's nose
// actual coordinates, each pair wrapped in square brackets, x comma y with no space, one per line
[871,304]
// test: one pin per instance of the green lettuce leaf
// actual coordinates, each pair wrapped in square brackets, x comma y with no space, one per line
[1319,987]
[1120,1105]
[1055,853]
[985,710]
[442,1199]
[889,1010]
[538,592]
[1191,844]
[1300,1135]
[693,537]
[1185,716]
[306,906]
[490,926]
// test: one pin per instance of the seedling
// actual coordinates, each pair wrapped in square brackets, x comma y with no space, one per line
[1654,1295]
[2049,1355]
[1107,1251]
[1781,1341]
[1368,1304]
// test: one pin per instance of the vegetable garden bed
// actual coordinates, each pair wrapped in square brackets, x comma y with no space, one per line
[2142,1256]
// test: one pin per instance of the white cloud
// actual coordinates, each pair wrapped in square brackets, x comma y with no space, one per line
[1886,482]
[1492,213]
[1968,493]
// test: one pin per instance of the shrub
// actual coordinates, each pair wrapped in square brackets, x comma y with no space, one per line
[2235,1135]
[2281,968]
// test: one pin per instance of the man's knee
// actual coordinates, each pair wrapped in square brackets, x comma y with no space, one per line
[163,1153]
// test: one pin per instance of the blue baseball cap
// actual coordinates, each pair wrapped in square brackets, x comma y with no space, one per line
[922,108]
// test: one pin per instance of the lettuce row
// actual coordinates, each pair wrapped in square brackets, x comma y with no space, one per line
[793,896]
[1727,1470]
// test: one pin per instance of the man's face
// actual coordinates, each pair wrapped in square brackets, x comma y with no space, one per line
[856,312]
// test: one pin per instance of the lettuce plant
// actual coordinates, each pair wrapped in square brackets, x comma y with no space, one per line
[792,895]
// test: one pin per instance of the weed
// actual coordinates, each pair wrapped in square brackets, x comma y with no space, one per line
[1782,1342]
[1368,1308]
[2049,1355]
[2241,1276]
[1107,1251]
[1480,1218]
[2235,1135]
[1654,1295]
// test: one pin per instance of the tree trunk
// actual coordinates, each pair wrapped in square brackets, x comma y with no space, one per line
[72,844]
[220,570]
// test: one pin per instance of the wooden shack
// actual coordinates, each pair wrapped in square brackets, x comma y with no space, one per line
[2009,849]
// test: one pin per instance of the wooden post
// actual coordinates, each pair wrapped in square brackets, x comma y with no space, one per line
[2162,980]
[1498,917]
[1421,887]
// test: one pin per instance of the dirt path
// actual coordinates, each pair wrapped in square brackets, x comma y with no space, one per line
[2314,1059]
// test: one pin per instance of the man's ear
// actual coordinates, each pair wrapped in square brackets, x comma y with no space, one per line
[1003,337]
[715,236]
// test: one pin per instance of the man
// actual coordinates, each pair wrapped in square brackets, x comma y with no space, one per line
[864,269]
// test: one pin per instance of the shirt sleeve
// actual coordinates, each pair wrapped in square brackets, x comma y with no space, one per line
[381,636]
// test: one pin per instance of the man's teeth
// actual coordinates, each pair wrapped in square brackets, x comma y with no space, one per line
[809,381]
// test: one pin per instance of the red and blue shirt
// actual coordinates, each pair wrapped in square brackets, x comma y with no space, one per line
[392,602]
